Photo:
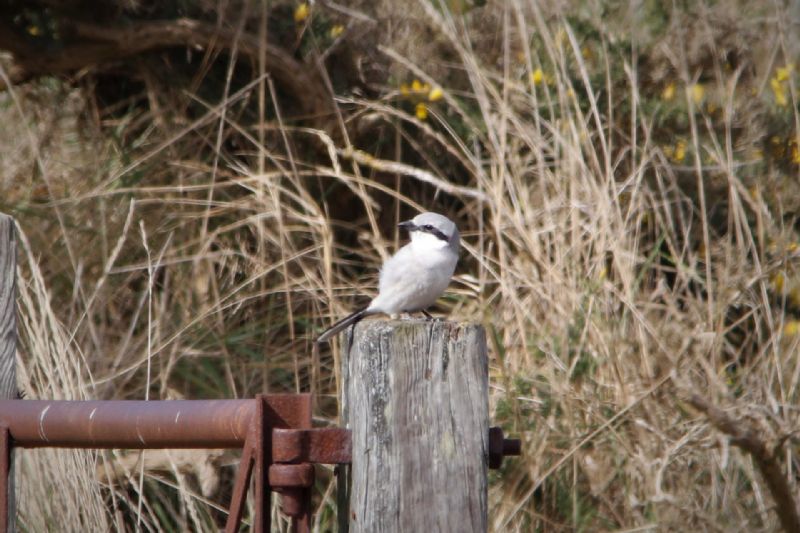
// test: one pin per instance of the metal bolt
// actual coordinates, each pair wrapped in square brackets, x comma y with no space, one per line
[499,447]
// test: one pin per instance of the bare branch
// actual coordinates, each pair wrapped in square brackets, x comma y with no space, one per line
[88,45]
[765,456]
[419,174]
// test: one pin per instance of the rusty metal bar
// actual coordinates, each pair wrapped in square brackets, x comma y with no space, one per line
[302,524]
[294,480]
[240,487]
[137,424]
[262,444]
[128,424]
[274,430]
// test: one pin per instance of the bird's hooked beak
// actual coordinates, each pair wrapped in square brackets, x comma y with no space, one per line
[407,225]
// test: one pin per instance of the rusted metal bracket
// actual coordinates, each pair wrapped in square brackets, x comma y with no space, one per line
[291,474]
[279,446]
[326,445]
[283,459]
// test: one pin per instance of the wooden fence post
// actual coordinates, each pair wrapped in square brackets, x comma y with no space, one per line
[416,399]
[8,348]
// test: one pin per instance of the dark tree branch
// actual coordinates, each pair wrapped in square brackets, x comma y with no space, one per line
[765,456]
[89,45]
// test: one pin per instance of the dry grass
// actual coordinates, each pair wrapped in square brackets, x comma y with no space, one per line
[623,245]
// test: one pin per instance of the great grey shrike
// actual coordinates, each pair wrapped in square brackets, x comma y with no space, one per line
[413,278]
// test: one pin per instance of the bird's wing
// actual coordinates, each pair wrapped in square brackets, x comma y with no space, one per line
[398,282]
[398,270]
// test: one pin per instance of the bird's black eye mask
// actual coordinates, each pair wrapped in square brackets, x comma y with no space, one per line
[427,228]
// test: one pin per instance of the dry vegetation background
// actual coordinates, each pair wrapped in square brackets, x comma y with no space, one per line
[201,187]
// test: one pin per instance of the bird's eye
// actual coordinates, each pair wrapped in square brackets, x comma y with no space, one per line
[427,227]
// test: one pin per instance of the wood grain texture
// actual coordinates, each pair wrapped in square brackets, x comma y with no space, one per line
[8,327]
[416,399]
[8,332]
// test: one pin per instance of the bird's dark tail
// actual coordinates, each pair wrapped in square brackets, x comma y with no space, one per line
[331,332]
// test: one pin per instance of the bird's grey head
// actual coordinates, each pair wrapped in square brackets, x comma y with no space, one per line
[435,225]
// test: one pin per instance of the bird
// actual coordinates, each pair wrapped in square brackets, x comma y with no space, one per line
[414,277]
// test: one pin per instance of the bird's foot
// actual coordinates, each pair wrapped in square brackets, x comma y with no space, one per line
[428,316]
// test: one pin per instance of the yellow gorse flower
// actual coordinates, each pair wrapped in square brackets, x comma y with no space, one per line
[778,281]
[784,73]
[698,92]
[676,153]
[779,91]
[537,76]
[791,328]
[419,88]
[421,91]
[337,30]
[302,12]
[778,84]
[680,151]
[669,92]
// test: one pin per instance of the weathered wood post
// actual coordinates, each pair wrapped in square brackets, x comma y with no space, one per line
[8,348]
[415,395]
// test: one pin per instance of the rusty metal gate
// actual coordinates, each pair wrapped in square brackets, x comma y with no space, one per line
[279,446]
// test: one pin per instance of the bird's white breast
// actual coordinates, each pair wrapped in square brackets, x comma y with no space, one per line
[416,275]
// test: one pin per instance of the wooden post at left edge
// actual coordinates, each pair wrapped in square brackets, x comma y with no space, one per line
[8,349]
